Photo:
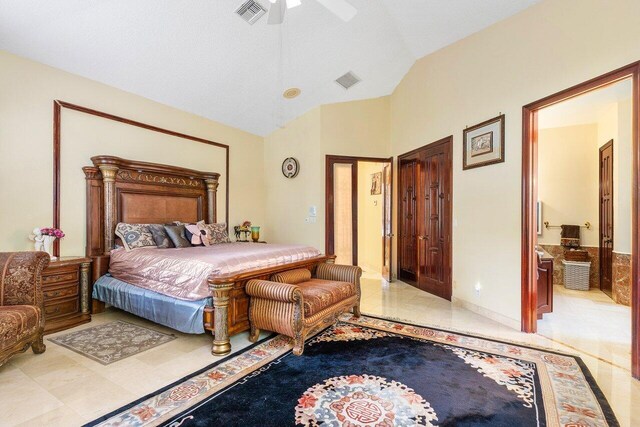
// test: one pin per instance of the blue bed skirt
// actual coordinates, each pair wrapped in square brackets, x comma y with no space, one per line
[183,316]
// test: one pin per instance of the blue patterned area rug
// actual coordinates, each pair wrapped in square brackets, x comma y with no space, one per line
[376,372]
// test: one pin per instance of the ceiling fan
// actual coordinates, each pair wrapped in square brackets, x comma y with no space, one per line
[341,8]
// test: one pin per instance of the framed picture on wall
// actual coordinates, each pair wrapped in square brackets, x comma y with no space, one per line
[376,183]
[483,144]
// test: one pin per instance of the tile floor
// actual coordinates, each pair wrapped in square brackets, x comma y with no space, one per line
[590,322]
[63,388]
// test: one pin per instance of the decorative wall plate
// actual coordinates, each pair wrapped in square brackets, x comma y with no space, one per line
[290,167]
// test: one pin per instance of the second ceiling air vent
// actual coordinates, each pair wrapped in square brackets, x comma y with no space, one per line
[251,11]
[348,80]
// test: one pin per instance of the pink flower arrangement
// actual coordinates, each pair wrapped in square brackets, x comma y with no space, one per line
[50,231]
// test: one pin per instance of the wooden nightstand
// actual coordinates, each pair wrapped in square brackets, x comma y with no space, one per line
[65,284]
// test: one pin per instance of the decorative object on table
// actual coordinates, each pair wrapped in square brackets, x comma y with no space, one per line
[242,231]
[112,341]
[335,383]
[44,237]
[255,234]
[290,167]
[376,183]
[483,144]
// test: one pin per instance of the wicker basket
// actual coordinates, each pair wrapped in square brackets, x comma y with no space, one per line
[576,275]
[576,255]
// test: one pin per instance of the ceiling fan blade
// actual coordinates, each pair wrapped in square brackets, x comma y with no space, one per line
[276,12]
[340,8]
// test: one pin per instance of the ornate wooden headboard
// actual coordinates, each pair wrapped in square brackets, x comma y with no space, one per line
[120,190]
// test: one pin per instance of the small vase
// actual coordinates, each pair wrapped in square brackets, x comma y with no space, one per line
[255,234]
[47,245]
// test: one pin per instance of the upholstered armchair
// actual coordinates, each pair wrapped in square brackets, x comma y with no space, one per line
[293,303]
[21,302]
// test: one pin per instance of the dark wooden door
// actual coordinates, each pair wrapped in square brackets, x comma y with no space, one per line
[386,223]
[434,213]
[606,217]
[424,220]
[407,231]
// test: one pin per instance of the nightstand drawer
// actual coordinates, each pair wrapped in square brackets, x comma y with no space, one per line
[60,308]
[60,276]
[60,291]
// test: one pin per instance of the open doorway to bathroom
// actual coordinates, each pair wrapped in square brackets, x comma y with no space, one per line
[358,204]
[584,241]
[580,217]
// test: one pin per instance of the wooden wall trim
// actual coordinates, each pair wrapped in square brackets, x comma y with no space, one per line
[57,123]
[529,192]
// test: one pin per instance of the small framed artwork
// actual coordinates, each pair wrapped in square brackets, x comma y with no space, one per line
[376,183]
[483,144]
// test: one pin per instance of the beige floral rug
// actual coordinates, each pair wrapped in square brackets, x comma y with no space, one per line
[112,341]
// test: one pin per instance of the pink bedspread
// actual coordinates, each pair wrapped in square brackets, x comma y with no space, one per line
[182,273]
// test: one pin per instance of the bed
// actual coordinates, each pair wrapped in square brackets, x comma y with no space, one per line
[193,290]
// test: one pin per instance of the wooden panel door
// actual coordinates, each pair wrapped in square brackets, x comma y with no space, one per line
[434,224]
[606,218]
[386,223]
[407,255]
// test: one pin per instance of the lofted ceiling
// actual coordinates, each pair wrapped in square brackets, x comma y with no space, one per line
[199,56]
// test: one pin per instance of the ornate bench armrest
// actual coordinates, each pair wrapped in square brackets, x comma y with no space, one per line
[273,291]
[341,273]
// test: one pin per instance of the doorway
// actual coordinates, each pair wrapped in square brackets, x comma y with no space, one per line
[531,115]
[425,192]
[358,213]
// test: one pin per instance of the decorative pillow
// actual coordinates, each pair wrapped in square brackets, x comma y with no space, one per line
[177,235]
[196,236]
[135,235]
[216,233]
[160,236]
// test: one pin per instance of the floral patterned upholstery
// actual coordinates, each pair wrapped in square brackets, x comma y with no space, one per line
[21,302]
[18,322]
[293,303]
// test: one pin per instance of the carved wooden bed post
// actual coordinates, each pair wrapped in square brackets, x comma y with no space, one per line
[109,173]
[221,296]
[212,209]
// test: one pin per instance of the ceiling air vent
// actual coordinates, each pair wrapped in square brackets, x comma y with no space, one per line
[348,80]
[251,11]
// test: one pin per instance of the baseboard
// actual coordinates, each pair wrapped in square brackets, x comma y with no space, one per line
[485,312]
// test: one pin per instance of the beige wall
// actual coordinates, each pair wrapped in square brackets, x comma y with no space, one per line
[540,51]
[568,181]
[27,91]
[370,227]
[359,128]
